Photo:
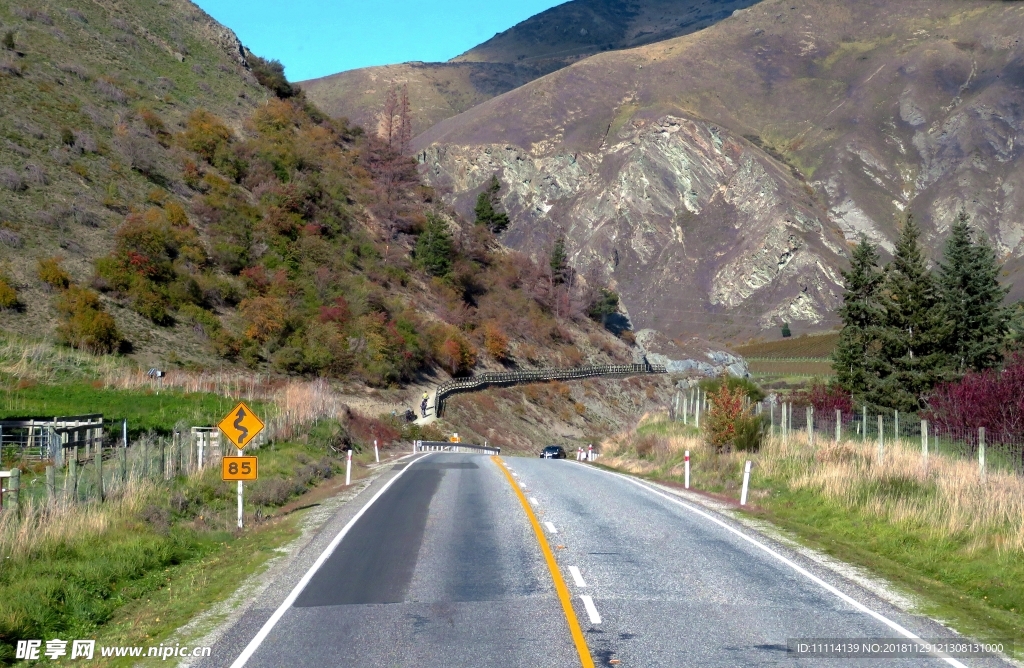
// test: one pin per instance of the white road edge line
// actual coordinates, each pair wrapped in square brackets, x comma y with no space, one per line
[258,639]
[588,603]
[906,633]
[551,527]
[577,576]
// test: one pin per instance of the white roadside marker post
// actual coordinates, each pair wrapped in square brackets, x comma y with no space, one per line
[348,469]
[590,452]
[686,474]
[746,483]
[376,452]
[981,452]
[839,425]
[924,442]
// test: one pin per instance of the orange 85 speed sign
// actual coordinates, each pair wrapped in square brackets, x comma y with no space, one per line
[238,468]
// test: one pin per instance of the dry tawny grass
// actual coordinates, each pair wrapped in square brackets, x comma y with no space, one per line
[41,524]
[947,496]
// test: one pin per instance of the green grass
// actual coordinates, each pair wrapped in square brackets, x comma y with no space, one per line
[95,571]
[145,411]
[187,589]
[980,592]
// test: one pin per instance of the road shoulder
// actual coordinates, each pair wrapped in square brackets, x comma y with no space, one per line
[229,626]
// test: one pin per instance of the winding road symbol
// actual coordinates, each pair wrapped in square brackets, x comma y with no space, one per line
[242,431]
[241,425]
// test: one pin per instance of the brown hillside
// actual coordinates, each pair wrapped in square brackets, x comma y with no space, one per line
[537,46]
[718,177]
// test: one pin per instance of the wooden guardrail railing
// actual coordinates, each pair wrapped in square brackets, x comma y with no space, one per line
[484,380]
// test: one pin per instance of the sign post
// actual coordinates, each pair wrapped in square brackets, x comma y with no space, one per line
[240,426]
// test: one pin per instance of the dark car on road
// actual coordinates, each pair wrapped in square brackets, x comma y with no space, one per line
[553,452]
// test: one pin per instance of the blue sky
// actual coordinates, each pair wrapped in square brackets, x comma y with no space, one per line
[314,38]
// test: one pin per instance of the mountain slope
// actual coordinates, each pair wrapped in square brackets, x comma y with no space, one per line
[155,199]
[853,120]
[537,46]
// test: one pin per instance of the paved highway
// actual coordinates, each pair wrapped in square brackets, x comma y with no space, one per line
[446,566]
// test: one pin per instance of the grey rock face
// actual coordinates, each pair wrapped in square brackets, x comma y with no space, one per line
[693,226]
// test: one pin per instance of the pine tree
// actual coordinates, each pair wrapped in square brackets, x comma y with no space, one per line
[972,299]
[559,261]
[434,247]
[911,357]
[486,210]
[854,359]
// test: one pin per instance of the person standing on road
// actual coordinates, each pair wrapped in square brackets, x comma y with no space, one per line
[423,404]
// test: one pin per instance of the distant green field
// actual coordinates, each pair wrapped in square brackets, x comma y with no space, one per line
[790,367]
[144,410]
[816,347]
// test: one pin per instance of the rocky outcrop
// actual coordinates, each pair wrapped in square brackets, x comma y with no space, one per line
[693,358]
[718,178]
[693,226]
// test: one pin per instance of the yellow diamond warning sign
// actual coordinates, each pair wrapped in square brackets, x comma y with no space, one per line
[241,425]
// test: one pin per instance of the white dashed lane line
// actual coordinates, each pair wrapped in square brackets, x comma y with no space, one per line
[577,576]
[588,603]
[551,527]
[534,501]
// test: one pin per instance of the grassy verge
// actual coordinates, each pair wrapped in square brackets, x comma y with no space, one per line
[936,531]
[138,566]
[145,410]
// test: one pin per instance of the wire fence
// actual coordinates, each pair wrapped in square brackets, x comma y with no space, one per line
[992,450]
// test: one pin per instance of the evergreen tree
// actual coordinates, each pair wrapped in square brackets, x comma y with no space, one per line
[486,210]
[972,299]
[559,260]
[911,357]
[434,247]
[854,359]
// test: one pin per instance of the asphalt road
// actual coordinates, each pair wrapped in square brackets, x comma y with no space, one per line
[444,569]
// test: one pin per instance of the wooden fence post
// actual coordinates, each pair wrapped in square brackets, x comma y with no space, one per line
[15,491]
[864,424]
[163,459]
[881,443]
[145,456]
[810,426]
[74,474]
[51,485]
[896,426]
[99,471]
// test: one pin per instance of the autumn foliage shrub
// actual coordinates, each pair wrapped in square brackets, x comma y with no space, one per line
[826,398]
[452,350]
[993,399]
[53,274]
[496,342]
[730,422]
[8,295]
[84,323]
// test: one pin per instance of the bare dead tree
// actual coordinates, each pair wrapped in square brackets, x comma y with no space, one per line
[404,121]
[386,119]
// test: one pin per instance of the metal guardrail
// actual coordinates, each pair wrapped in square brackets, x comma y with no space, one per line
[484,380]
[448,446]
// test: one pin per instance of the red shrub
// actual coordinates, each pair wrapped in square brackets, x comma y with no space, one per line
[826,399]
[993,399]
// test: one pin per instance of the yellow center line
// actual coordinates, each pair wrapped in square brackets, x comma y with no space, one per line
[563,592]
